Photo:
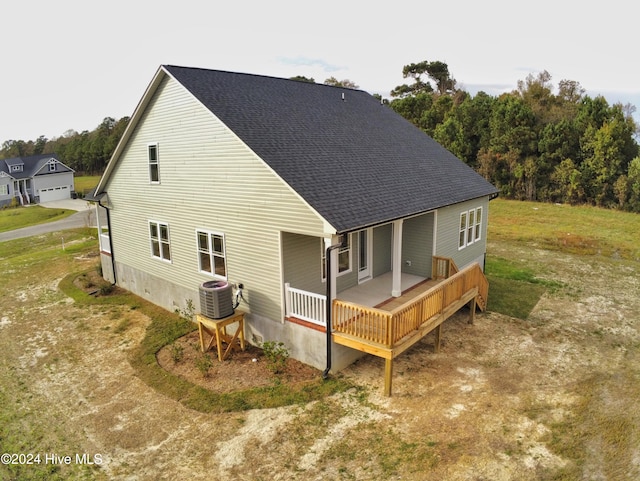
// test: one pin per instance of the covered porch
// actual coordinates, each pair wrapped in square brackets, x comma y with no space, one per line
[367,319]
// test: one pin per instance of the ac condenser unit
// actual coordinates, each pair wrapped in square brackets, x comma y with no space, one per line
[216,299]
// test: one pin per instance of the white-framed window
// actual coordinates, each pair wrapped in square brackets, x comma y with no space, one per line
[344,257]
[470,229]
[154,168]
[4,189]
[52,166]
[16,168]
[212,257]
[160,241]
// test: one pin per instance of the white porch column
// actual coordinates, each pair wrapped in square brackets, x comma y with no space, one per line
[328,242]
[396,266]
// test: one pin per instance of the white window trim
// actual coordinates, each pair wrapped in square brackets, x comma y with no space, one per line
[4,189]
[155,162]
[465,230]
[52,165]
[168,242]
[348,249]
[210,233]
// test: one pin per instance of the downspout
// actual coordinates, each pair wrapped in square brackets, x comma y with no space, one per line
[113,259]
[327,260]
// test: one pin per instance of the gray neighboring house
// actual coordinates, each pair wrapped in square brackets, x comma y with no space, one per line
[34,179]
[249,179]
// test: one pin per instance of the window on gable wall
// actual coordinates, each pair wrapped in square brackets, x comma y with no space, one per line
[160,243]
[52,166]
[154,172]
[211,253]
[470,227]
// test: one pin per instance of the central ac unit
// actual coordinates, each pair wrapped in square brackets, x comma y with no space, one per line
[216,299]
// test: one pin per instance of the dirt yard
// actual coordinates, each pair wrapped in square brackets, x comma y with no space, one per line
[498,402]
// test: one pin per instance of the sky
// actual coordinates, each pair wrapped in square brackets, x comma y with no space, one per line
[68,64]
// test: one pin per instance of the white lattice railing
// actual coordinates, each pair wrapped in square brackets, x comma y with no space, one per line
[305,305]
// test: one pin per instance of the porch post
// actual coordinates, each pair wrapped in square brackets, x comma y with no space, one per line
[396,266]
[329,241]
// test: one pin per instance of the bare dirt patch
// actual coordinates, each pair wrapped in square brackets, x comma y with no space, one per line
[498,401]
[241,370]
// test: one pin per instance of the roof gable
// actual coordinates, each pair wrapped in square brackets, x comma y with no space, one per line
[353,160]
[356,161]
[33,165]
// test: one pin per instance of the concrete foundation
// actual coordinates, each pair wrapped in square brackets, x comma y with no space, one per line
[304,344]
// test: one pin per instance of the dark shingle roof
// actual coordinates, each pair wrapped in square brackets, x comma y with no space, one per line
[354,160]
[31,166]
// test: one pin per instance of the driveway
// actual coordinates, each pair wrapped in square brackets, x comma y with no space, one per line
[84,217]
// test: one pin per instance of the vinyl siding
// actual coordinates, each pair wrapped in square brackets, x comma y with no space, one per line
[302,262]
[209,180]
[382,246]
[448,229]
[417,245]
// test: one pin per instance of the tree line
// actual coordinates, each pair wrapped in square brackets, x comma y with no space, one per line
[87,152]
[534,143]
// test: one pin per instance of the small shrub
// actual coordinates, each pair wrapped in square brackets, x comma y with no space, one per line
[204,363]
[177,353]
[106,289]
[277,355]
[188,312]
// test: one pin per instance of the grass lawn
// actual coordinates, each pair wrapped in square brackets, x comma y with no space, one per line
[17,217]
[85,183]
[580,230]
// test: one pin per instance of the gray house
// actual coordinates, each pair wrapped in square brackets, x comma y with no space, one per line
[255,180]
[37,178]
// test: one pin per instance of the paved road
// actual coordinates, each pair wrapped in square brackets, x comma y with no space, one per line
[85,217]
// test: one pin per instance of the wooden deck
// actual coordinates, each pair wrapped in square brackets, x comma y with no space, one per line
[393,327]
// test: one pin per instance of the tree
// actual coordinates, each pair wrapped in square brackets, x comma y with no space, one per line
[436,71]
[302,78]
[40,144]
[633,178]
[346,83]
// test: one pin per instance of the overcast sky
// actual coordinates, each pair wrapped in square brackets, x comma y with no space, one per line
[68,64]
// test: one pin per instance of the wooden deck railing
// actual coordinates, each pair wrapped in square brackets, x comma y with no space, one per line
[388,328]
[442,267]
[389,333]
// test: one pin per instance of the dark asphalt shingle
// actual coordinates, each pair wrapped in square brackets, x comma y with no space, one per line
[355,161]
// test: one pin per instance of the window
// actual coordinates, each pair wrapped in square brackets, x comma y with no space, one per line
[154,173]
[160,244]
[16,168]
[4,190]
[478,224]
[344,257]
[52,166]
[211,253]
[470,227]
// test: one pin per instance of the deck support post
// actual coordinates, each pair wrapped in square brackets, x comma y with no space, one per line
[388,374]
[472,308]
[438,336]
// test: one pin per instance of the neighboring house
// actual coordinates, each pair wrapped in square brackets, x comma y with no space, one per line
[37,178]
[249,179]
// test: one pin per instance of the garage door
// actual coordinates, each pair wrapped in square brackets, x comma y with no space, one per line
[55,193]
